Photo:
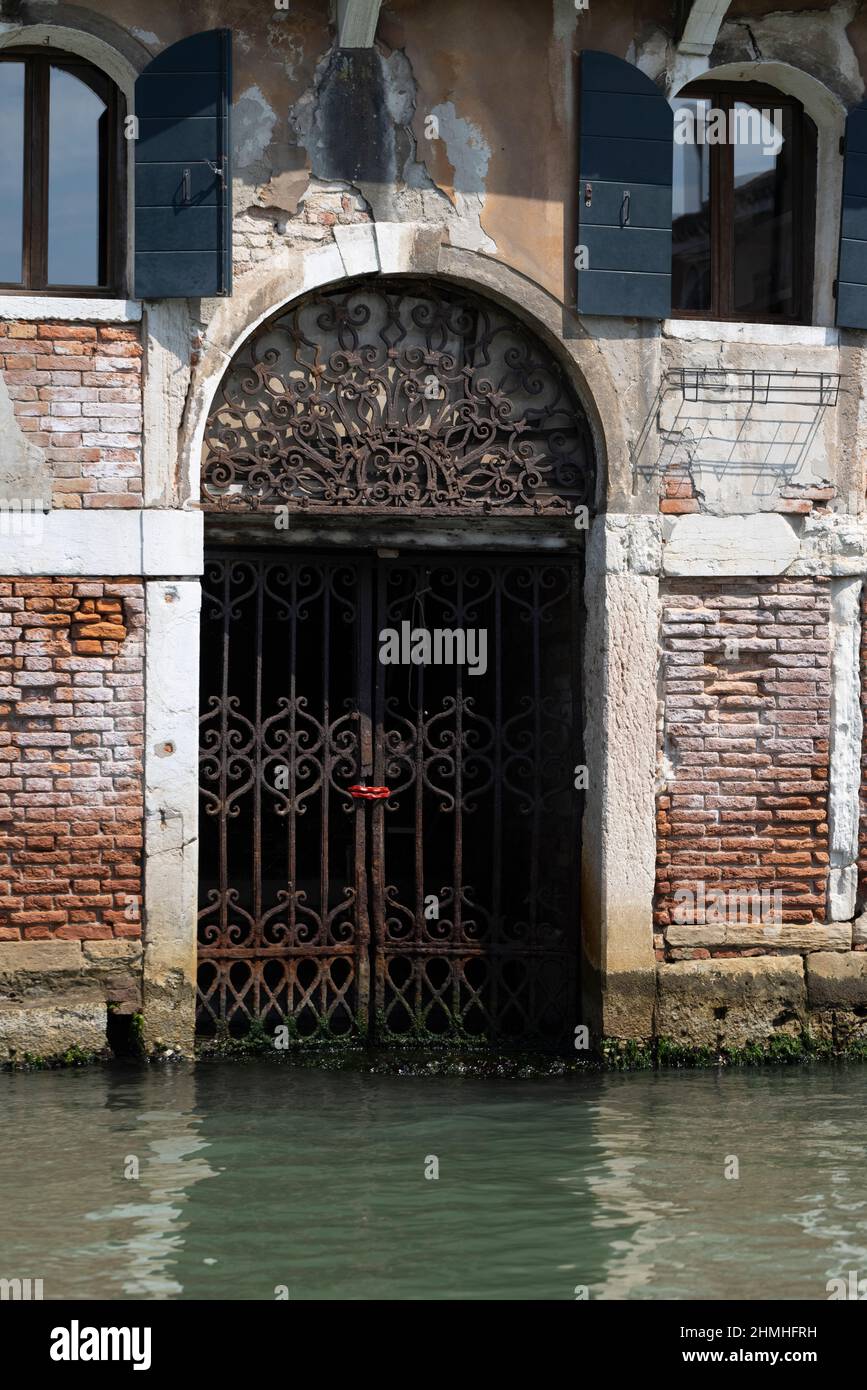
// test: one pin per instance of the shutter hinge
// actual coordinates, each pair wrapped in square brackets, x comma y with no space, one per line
[588,194]
[834,289]
[842,144]
[219,170]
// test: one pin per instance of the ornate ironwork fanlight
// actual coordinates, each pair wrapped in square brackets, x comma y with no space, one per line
[396,395]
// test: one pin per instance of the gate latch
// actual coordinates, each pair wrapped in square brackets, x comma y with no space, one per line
[362,792]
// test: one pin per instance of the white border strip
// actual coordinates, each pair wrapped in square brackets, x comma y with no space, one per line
[845,761]
[67,543]
[27,308]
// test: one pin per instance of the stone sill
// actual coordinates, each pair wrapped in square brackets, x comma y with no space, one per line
[836,937]
[758,334]
[57,309]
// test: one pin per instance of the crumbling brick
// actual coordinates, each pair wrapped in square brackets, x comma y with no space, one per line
[746,712]
[71,759]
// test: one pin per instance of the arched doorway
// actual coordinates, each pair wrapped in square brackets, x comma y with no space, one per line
[389,816]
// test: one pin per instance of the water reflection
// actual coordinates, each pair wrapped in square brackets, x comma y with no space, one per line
[68,1207]
[617,1183]
[168,1169]
[793,1217]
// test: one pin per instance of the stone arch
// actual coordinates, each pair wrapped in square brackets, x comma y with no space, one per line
[396,394]
[403,249]
[828,113]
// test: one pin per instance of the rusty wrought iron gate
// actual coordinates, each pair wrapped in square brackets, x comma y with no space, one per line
[389,821]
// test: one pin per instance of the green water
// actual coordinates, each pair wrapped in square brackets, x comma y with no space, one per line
[255,1176]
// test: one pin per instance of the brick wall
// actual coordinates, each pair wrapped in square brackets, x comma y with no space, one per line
[76,392]
[744,753]
[71,734]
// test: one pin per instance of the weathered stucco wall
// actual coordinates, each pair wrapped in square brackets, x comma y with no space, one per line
[449,150]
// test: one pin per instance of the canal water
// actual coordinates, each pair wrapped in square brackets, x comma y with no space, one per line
[258,1180]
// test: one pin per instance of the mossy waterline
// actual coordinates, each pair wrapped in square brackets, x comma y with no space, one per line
[425,1053]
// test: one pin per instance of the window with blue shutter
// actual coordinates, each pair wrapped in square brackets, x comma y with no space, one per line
[183,223]
[624,194]
[744,203]
[852,266]
[62,175]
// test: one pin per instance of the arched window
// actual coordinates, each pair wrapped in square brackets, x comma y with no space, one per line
[743,204]
[61,175]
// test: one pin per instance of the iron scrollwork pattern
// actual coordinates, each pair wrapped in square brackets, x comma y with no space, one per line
[394,395]
[476,919]
[443,907]
[282,935]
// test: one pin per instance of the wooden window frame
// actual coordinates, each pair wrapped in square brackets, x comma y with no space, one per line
[723,96]
[112,175]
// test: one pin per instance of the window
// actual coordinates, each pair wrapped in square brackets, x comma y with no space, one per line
[743,204]
[62,191]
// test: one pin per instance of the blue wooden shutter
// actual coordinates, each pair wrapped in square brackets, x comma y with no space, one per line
[852,264]
[183,204]
[624,195]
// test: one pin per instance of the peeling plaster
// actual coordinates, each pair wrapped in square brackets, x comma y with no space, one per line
[400,90]
[253,122]
[815,41]
[466,147]
[24,472]
[397,184]
[469,154]
[290,52]
[653,57]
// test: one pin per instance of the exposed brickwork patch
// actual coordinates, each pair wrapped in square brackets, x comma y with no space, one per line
[258,232]
[77,393]
[71,736]
[678,495]
[744,758]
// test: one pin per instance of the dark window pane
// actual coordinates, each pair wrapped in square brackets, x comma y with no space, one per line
[76,136]
[11,171]
[691,226]
[763,233]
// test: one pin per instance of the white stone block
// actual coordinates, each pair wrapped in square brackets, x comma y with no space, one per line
[395,241]
[171,778]
[357,246]
[172,542]
[148,543]
[69,310]
[730,545]
[321,267]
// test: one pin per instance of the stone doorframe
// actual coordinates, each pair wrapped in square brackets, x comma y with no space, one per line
[621,583]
